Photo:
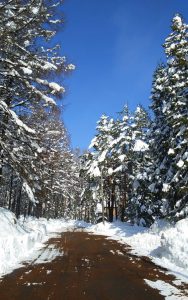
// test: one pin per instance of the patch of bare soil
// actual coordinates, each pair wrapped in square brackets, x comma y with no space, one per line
[92,268]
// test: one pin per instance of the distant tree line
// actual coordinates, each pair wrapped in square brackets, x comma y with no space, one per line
[39,174]
[138,168]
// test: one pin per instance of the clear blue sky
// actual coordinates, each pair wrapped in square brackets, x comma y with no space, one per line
[115,45]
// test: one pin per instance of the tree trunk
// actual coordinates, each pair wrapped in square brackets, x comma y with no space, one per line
[38,210]
[124,199]
[5,120]
[116,210]
[10,192]
[18,202]
[112,202]
[30,207]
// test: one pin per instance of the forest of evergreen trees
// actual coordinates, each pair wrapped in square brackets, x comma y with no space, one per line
[137,167]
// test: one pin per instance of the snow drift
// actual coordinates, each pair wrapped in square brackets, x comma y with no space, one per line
[19,239]
[16,242]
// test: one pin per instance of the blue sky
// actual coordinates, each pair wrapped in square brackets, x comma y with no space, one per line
[116,46]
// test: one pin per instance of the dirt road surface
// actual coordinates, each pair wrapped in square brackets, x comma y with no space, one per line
[91,268]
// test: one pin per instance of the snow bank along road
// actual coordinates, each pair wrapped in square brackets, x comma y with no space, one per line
[85,266]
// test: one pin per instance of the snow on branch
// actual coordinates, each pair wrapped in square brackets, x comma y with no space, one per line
[15,118]
[56,88]
[29,192]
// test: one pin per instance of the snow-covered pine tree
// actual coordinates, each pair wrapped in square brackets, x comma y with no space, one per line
[175,184]
[168,177]
[116,159]
[138,208]
[98,166]
[127,148]
[158,144]
[120,149]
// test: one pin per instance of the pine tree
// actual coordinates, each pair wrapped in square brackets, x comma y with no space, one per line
[175,184]
[169,141]
[138,208]
[97,163]
[116,160]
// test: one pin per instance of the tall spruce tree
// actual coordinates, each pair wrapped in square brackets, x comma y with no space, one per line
[176,49]
[138,207]
[169,130]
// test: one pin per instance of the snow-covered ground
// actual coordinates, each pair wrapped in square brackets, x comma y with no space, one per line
[167,245]
[22,240]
